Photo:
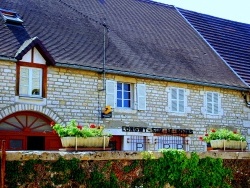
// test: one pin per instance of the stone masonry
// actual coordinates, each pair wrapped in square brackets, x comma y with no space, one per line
[78,94]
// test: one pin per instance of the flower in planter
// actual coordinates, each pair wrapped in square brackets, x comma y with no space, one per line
[73,129]
[222,134]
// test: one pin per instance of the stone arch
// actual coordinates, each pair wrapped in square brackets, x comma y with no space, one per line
[27,127]
[30,107]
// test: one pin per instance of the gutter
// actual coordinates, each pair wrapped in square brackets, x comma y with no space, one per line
[140,75]
[8,59]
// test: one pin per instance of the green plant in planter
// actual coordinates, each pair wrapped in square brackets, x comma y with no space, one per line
[222,134]
[73,129]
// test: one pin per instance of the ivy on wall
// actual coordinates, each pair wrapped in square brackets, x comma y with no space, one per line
[174,168]
[179,170]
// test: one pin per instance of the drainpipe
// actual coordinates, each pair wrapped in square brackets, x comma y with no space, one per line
[105,30]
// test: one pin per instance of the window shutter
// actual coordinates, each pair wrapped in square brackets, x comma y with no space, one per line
[209,102]
[36,82]
[216,103]
[24,81]
[111,93]
[181,100]
[141,96]
[187,109]
[174,100]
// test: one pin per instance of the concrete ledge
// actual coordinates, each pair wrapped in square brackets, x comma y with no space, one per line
[109,155]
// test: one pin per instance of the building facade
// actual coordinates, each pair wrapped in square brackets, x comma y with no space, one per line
[78,94]
[165,85]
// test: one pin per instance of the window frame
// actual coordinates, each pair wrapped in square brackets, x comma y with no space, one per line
[43,78]
[170,100]
[123,91]
[138,96]
[30,85]
[213,103]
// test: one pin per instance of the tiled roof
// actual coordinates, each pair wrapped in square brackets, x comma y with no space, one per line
[145,39]
[230,39]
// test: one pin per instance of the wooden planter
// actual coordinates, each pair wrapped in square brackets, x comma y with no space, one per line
[228,144]
[89,142]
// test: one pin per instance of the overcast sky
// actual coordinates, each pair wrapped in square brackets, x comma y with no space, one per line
[236,10]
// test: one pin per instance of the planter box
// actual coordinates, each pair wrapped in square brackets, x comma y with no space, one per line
[228,144]
[88,142]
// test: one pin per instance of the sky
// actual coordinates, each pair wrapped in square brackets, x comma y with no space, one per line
[236,10]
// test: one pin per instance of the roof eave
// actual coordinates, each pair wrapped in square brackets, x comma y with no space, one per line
[154,77]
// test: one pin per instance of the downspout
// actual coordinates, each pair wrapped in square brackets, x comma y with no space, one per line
[246,96]
[105,29]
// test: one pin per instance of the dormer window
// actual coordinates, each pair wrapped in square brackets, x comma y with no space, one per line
[11,17]
[32,71]
[31,82]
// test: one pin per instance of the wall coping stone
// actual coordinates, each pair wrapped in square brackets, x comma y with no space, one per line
[110,155]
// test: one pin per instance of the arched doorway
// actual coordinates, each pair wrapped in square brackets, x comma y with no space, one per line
[28,130]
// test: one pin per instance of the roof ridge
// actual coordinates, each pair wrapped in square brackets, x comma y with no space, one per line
[156,3]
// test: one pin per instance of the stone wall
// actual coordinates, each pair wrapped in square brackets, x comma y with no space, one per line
[109,155]
[7,83]
[51,169]
[78,94]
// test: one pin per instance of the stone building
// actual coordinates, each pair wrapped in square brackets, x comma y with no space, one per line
[64,60]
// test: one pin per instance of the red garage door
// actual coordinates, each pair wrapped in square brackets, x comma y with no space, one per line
[28,130]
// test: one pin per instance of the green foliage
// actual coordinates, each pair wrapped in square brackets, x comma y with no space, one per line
[178,170]
[21,173]
[67,170]
[73,129]
[148,155]
[97,179]
[174,167]
[12,176]
[131,167]
[222,134]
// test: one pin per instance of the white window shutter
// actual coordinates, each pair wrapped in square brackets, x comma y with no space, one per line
[216,103]
[168,109]
[220,105]
[111,93]
[141,96]
[36,86]
[174,101]
[209,102]
[24,81]
[204,108]
[187,108]
[181,100]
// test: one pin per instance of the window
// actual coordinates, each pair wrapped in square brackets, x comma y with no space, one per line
[30,82]
[31,72]
[212,103]
[168,142]
[31,75]
[176,100]
[125,95]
